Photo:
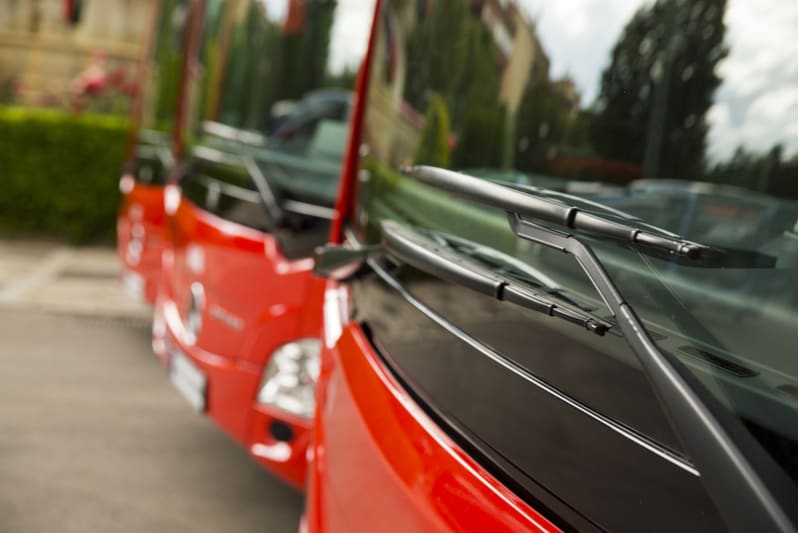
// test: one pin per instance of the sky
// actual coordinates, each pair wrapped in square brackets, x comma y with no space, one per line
[349,34]
[756,105]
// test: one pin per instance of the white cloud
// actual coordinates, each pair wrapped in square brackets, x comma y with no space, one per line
[759,87]
[756,105]
[578,36]
[350,34]
[276,10]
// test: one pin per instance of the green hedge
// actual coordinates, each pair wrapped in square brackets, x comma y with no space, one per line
[59,173]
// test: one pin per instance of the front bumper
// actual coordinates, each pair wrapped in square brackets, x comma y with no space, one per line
[275,439]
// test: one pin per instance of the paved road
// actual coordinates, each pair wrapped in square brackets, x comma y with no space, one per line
[51,277]
[93,438]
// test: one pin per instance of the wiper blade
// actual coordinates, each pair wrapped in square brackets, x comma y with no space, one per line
[513,200]
[415,249]
[509,267]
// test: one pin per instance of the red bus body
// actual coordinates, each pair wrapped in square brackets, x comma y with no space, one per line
[255,301]
[140,237]
[443,405]
[379,463]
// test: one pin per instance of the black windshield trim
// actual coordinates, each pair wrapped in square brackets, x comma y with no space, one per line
[619,428]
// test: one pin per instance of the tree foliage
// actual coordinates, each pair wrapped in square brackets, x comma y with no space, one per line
[168,54]
[450,54]
[304,55]
[435,53]
[660,83]
[433,148]
[65,187]
[770,172]
[543,123]
[266,63]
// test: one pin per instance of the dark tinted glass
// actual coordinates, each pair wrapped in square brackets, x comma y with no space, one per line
[227,192]
[525,432]
[152,161]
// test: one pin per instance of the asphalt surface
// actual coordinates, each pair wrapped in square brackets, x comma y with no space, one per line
[94,438]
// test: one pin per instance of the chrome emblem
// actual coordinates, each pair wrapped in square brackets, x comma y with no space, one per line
[194,313]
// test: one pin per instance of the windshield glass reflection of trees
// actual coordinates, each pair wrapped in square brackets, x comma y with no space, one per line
[274,80]
[687,121]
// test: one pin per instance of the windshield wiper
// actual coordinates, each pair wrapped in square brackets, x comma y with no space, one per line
[507,266]
[750,490]
[528,205]
[413,248]
[266,193]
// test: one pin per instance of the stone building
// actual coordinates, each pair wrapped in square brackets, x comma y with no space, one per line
[47,60]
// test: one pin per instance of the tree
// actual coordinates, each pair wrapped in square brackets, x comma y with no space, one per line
[770,172]
[479,117]
[543,122]
[655,93]
[480,143]
[451,54]
[167,55]
[302,53]
[435,52]
[433,148]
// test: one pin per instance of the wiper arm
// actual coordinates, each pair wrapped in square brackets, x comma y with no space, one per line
[513,200]
[269,197]
[744,482]
[413,248]
[266,193]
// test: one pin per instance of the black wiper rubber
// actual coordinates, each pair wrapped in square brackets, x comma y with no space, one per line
[528,205]
[750,490]
[425,254]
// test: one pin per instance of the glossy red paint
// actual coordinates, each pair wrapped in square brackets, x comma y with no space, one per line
[348,181]
[256,300]
[140,237]
[379,463]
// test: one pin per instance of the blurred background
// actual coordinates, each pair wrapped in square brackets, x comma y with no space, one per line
[92,436]
[68,73]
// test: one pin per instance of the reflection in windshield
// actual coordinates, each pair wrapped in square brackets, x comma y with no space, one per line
[161,94]
[473,86]
[476,83]
[274,80]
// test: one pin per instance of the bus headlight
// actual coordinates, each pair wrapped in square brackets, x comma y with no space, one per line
[290,378]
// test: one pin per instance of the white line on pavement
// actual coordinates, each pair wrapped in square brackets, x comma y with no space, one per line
[47,269]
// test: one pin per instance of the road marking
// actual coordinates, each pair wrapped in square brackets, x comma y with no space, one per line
[48,268]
